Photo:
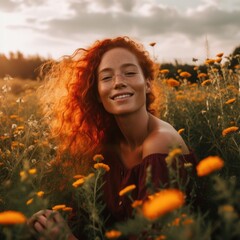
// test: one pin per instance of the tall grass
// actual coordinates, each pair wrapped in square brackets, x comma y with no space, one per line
[206,113]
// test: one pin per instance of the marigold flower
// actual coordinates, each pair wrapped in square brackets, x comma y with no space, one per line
[172,82]
[101,165]
[210,61]
[195,68]
[58,207]
[220,54]
[127,190]
[206,82]
[232,100]
[98,158]
[78,183]
[229,130]
[237,66]
[67,209]
[12,217]
[202,75]
[164,202]
[29,201]
[136,203]
[181,130]
[152,44]
[32,171]
[164,71]
[113,234]
[185,74]
[209,165]
[218,60]
[40,193]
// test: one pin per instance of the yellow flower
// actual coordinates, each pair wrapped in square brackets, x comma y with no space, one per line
[185,74]
[220,54]
[98,158]
[229,130]
[181,130]
[127,190]
[67,209]
[202,75]
[209,165]
[206,82]
[101,165]
[58,207]
[32,171]
[152,44]
[164,71]
[23,175]
[136,203]
[78,176]
[210,61]
[172,82]
[40,193]
[164,202]
[173,154]
[113,234]
[232,100]
[12,217]
[78,183]
[29,201]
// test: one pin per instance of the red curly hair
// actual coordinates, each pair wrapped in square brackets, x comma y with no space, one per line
[78,120]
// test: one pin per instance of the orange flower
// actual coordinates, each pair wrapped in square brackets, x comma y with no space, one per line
[229,130]
[171,82]
[232,100]
[67,209]
[58,207]
[220,54]
[181,130]
[29,201]
[209,165]
[113,234]
[202,75]
[32,171]
[136,203]
[78,176]
[40,193]
[161,237]
[206,82]
[12,217]
[210,61]
[127,189]
[164,71]
[163,202]
[98,158]
[152,44]
[185,74]
[218,60]
[78,183]
[102,166]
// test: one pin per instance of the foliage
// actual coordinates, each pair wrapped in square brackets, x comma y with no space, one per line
[206,113]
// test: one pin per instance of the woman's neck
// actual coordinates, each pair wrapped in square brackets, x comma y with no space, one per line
[134,128]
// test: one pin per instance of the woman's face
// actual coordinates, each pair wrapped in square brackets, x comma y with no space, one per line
[122,87]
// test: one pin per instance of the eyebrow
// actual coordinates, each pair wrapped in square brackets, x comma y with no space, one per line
[122,66]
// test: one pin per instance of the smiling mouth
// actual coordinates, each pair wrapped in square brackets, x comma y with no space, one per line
[122,96]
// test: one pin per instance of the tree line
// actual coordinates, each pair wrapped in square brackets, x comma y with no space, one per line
[19,66]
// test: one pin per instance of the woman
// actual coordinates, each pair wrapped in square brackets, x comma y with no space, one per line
[102,97]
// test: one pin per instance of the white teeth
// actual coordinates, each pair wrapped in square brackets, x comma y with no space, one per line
[122,96]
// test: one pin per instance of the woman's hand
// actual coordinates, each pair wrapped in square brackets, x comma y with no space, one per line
[48,224]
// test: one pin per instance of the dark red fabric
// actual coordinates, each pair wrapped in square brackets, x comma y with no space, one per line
[119,177]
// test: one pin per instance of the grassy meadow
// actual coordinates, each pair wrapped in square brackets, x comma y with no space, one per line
[206,114]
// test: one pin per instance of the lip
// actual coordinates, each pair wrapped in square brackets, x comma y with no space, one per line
[113,97]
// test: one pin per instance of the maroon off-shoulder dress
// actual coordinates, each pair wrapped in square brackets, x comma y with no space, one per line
[119,177]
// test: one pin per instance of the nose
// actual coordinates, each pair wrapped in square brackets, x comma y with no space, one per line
[119,81]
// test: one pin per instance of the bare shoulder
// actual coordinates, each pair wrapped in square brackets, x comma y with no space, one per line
[162,138]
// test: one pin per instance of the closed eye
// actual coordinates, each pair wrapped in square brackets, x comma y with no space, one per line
[130,74]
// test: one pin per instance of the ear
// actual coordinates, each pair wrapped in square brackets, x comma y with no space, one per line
[148,86]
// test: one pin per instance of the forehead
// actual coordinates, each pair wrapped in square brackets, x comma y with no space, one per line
[117,57]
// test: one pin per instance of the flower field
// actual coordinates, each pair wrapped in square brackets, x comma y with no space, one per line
[207,115]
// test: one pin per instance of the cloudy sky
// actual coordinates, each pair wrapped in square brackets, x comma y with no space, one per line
[182,29]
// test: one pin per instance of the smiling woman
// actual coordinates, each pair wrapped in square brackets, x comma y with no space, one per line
[106,108]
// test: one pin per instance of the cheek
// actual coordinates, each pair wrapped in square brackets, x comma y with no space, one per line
[102,92]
